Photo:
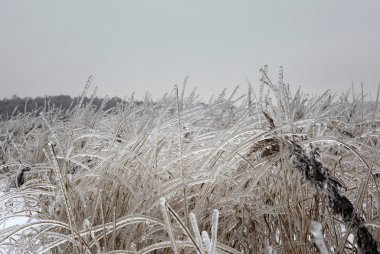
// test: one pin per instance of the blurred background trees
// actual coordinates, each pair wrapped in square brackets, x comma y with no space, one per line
[16,105]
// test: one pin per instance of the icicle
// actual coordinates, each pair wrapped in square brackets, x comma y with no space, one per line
[206,240]
[214,230]
[198,238]
[316,231]
[167,224]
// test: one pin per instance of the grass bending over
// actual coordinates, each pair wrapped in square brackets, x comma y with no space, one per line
[318,175]
[178,174]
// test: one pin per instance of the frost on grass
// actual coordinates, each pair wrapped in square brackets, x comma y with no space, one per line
[316,232]
[248,174]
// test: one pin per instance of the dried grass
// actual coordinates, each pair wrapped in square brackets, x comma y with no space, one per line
[184,176]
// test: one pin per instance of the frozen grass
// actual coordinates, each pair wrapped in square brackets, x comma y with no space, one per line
[177,175]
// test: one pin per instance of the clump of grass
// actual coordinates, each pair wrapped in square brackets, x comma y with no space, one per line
[180,175]
[314,172]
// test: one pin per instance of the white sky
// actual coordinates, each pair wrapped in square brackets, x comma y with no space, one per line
[51,47]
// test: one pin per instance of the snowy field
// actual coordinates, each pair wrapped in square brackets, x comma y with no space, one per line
[266,172]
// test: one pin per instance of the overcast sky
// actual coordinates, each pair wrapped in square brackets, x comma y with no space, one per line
[50,47]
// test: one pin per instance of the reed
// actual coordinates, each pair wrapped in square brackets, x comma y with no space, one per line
[271,172]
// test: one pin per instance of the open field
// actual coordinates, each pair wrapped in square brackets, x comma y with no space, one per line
[272,172]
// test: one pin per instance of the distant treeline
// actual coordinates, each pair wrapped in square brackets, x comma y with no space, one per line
[16,105]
